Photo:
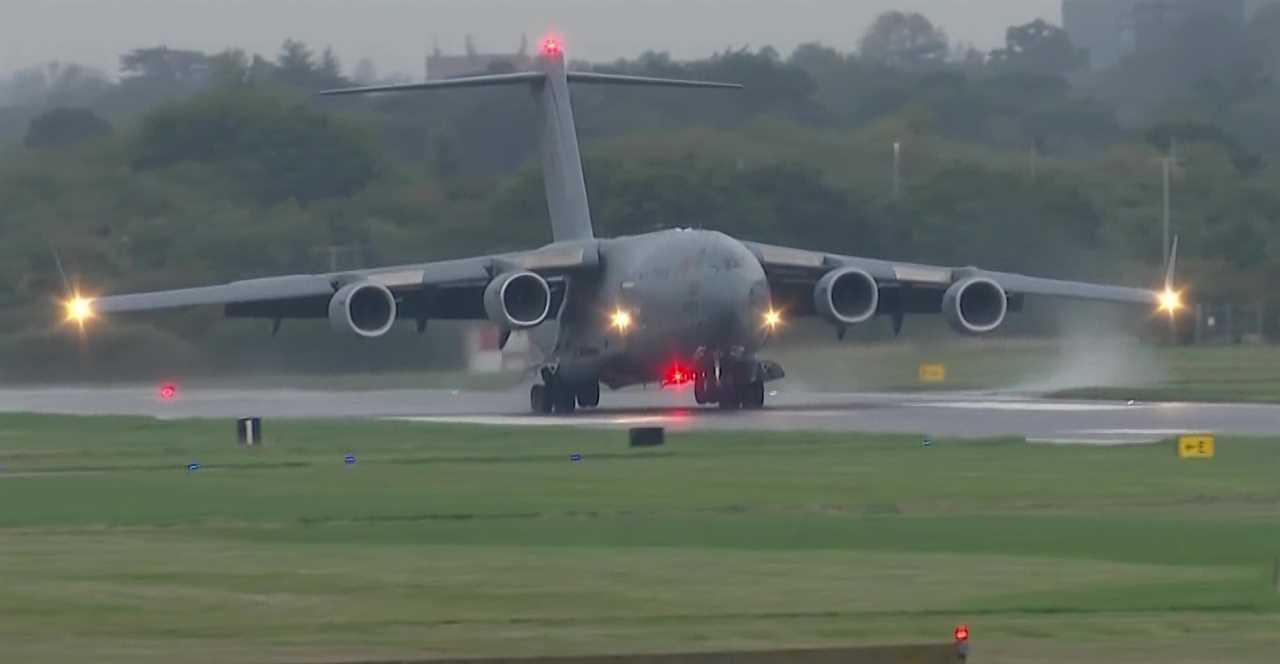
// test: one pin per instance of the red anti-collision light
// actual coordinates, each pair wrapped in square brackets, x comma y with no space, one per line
[962,632]
[168,392]
[678,375]
[552,46]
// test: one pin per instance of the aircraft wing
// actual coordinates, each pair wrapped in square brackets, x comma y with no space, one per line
[919,288]
[450,289]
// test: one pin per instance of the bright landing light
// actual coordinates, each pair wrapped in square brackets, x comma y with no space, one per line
[621,321]
[79,309]
[1170,301]
[772,319]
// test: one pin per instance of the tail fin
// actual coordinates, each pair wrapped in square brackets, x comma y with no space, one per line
[566,190]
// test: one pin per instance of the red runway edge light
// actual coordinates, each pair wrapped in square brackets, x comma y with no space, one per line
[962,642]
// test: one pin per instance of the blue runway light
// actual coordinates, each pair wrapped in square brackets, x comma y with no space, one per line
[575,458]
[350,459]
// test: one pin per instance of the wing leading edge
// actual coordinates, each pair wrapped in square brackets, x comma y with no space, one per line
[793,273]
[444,289]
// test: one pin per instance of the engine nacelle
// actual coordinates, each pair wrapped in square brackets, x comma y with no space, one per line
[847,296]
[517,300]
[363,309]
[976,305]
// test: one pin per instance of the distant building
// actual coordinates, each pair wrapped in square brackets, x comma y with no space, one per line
[473,62]
[1101,27]
[1155,21]
[1111,29]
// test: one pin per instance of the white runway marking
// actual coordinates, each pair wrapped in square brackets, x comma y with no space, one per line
[1100,442]
[1031,406]
[1138,432]
[536,421]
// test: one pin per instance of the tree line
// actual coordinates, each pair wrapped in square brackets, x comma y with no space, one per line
[198,167]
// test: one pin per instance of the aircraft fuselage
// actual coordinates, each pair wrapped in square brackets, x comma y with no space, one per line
[694,299]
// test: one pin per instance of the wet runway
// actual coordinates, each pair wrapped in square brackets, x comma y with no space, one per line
[954,414]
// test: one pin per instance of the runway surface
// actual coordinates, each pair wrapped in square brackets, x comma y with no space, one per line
[953,414]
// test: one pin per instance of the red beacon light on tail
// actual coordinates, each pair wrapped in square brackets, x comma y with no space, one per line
[552,47]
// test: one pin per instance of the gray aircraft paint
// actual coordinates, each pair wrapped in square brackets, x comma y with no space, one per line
[561,161]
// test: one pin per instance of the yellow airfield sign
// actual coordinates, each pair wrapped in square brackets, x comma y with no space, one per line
[933,374]
[1200,446]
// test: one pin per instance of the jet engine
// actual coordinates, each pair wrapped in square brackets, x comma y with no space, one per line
[847,296]
[976,305]
[517,300]
[364,309]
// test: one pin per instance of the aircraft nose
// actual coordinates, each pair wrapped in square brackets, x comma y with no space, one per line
[738,309]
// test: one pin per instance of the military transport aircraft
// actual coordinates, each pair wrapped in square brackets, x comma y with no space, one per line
[671,307]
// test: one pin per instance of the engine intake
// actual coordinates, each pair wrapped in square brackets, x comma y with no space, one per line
[977,305]
[847,296]
[517,300]
[364,309]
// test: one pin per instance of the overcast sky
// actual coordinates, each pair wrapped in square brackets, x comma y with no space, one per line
[397,33]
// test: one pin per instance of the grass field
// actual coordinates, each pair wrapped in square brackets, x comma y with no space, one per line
[447,541]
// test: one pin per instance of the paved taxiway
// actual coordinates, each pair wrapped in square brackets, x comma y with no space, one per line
[956,414]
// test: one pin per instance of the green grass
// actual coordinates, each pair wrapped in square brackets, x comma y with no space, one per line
[449,541]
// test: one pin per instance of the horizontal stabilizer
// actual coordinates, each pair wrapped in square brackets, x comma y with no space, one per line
[532,77]
[613,79]
[466,82]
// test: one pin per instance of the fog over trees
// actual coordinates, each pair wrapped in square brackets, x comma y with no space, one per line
[191,167]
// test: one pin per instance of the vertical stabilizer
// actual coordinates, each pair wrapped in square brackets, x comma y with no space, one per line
[561,160]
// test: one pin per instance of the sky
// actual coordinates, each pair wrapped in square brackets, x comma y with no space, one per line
[396,34]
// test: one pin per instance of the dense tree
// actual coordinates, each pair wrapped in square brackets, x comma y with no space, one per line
[1009,164]
[63,127]
[1039,48]
[54,84]
[273,148]
[904,40]
[165,66]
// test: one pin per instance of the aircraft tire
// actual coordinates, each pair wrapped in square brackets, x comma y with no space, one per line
[730,396]
[589,395]
[564,400]
[753,395]
[700,391]
[539,401]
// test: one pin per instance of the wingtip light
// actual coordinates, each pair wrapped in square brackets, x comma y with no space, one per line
[79,309]
[1171,301]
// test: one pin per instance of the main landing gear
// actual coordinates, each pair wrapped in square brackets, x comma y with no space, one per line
[730,390]
[556,396]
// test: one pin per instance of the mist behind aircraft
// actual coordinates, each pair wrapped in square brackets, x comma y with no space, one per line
[396,34]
